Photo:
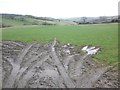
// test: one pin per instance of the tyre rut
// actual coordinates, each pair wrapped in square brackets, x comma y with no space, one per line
[16,67]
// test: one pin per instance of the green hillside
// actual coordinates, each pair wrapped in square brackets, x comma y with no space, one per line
[18,20]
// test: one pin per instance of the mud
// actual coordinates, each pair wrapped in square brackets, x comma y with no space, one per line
[52,65]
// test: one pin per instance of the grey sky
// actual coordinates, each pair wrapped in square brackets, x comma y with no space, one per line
[60,8]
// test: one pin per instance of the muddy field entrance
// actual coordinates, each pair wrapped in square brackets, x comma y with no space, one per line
[52,65]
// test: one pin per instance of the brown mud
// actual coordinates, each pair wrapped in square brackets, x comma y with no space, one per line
[52,65]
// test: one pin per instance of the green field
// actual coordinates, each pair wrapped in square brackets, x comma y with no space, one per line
[103,35]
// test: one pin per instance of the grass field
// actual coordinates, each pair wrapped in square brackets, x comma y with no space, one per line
[102,35]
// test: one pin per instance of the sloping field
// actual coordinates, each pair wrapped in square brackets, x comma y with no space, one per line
[52,65]
[104,36]
[20,20]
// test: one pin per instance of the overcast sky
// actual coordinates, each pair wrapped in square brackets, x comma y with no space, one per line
[60,8]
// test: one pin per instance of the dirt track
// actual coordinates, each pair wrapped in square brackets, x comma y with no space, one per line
[52,65]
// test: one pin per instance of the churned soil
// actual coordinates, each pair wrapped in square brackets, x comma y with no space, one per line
[52,65]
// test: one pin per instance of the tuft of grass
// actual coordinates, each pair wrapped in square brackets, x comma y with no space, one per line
[103,35]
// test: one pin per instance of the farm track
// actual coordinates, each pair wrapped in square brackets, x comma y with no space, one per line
[35,65]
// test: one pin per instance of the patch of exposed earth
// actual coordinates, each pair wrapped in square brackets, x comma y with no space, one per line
[52,65]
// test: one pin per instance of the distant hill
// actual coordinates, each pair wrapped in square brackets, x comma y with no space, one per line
[8,20]
[101,19]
